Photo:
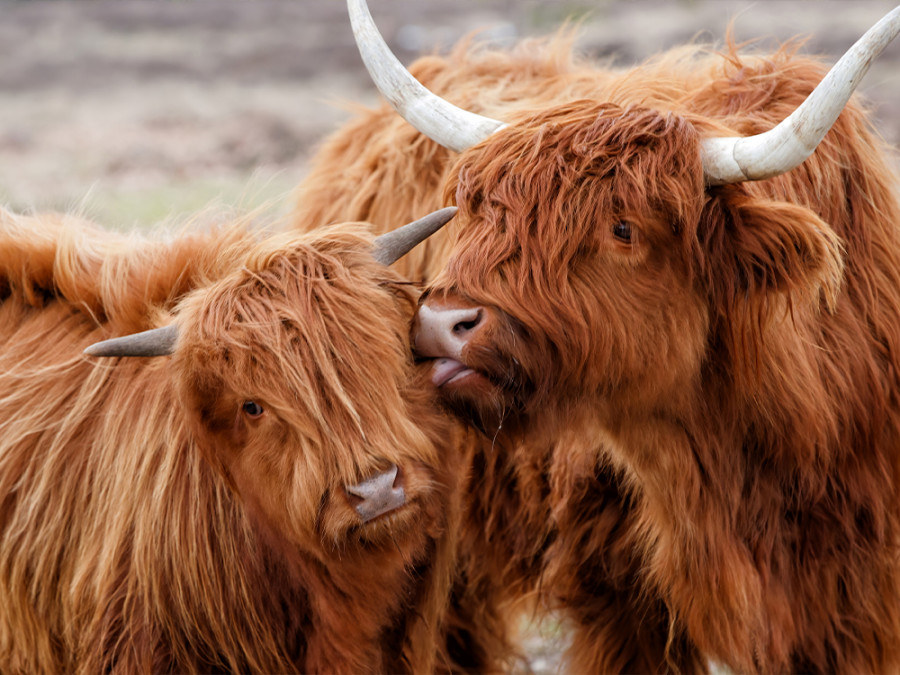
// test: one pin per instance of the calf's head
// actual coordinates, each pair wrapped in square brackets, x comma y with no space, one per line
[296,377]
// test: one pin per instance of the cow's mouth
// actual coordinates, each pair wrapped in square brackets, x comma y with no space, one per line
[454,376]
[474,393]
[447,371]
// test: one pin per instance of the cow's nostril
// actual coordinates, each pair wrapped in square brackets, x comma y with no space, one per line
[444,331]
[467,325]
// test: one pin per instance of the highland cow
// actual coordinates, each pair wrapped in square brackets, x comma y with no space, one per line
[706,310]
[377,166]
[277,495]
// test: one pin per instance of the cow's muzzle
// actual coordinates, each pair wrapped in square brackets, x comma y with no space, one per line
[377,495]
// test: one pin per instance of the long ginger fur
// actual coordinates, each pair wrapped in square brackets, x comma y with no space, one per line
[731,371]
[146,526]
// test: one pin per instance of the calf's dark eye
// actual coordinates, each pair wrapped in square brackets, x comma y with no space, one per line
[622,231]
[252,409]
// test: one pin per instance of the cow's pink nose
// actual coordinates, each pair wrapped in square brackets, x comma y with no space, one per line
[378,495]
[444,331]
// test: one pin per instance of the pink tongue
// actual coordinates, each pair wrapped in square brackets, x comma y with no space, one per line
[444,370]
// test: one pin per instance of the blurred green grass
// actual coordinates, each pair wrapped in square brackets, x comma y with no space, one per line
[145,207]
[142,207]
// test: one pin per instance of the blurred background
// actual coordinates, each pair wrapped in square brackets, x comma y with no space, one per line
[134,110]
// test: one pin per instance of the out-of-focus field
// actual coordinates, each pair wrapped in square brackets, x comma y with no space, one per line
[133,111]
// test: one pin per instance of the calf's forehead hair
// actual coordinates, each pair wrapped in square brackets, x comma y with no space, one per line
[318,324]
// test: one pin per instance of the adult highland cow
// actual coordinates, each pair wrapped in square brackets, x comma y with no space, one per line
[713,310]
[279,495]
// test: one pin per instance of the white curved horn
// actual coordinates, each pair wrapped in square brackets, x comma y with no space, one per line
[155,342]
[441,121]
[393,245]
[735,159]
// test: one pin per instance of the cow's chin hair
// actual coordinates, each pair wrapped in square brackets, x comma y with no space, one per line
[482,404]
[498,397]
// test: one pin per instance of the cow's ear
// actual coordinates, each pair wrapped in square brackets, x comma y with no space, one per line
[754,249]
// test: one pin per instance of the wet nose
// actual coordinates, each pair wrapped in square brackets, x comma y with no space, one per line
[442,331]
[377,495]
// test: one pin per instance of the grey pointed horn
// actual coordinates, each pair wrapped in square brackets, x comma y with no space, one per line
[156,342]
[440,120]
[786,146]
[393,245]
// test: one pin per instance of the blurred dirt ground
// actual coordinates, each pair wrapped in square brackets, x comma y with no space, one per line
[132,111]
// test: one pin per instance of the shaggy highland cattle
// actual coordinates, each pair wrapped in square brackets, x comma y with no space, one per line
[507,518]
[679,272]
[278,495]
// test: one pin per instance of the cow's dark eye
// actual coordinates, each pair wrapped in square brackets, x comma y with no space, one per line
[622,231]
[252,409]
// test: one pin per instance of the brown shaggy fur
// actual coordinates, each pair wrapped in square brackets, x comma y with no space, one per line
[147,524]
[733,367]
[377,166]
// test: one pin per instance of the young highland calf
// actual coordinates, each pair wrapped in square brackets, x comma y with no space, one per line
[706,314]
[277,495]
